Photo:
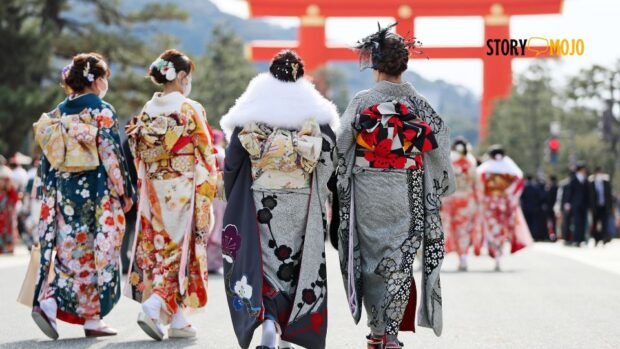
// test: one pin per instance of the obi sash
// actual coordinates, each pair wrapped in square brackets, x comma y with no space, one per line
[160,137]
[390,136]
[68,142]
[282,158]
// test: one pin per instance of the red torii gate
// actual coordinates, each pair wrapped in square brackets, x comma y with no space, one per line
[311,44]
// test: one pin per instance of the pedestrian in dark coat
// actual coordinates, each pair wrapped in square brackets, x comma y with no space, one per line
[601,204]
[577,204]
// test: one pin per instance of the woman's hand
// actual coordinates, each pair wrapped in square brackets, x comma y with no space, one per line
[127,204]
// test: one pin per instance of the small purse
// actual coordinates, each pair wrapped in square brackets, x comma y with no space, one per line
[26,293]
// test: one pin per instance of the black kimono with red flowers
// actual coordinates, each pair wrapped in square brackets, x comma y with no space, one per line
[278,162]
[273,248]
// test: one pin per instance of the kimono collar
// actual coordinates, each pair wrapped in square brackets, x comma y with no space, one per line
[83,101]
[161,100]
[395,89]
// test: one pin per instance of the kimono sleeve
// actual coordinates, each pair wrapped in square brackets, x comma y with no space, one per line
[349,257]
[206,169]
[236,157]
[437,163]
[111,153]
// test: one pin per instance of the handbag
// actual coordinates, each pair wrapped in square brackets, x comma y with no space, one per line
[26,293]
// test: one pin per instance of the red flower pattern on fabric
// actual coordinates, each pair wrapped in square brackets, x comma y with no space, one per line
[395,139]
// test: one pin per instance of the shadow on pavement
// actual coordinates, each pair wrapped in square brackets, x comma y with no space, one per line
[61,343]
[145,343]
[490,271]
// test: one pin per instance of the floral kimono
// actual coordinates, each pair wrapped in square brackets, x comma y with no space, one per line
[393,167]
[502,218]
[8,201]
[83,181]
[171,145]
[277,166]
[459,212]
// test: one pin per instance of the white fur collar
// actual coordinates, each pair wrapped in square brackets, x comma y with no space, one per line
[279,104]
[505,165]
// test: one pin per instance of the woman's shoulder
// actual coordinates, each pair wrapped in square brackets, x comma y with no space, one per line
[195,105]
[105,105]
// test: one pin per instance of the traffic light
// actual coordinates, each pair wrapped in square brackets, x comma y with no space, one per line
[554,148]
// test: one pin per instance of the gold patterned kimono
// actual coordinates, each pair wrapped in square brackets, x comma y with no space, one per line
[177,179]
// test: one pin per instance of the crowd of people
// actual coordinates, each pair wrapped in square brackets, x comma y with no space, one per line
[494,203]
[580,206]
[19,206]
[260,209]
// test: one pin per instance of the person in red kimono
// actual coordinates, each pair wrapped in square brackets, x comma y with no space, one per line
[459,212]
[8,201]
[502,218]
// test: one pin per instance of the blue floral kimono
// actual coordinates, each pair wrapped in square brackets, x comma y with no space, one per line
[82,222]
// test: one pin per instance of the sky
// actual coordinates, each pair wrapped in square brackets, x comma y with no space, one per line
[597,22]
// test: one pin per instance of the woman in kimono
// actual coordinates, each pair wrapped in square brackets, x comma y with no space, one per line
[171,144]
[501,215]
[459,212]
[393,168]
[8,203]
[84,194]
[277,165]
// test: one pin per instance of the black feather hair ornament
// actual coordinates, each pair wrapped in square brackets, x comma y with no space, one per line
[370,47]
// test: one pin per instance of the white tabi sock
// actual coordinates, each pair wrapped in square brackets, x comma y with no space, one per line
[285,344]
[94,324]
[152,306]
[463,261]
[178,320]
[270,334]
[49,307]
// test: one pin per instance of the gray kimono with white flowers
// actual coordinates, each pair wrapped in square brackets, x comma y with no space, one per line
[387,213]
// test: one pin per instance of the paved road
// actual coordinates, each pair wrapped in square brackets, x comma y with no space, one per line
[549,296]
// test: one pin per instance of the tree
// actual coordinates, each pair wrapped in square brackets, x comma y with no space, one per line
[598,89]
[222,74]
[40,36]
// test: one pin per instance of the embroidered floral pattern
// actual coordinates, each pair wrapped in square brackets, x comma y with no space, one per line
[397,270]
[231,242]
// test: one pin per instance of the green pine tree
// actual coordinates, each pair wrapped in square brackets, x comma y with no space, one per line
[222,74]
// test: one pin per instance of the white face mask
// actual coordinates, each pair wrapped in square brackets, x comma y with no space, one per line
[103,92]
[187,88]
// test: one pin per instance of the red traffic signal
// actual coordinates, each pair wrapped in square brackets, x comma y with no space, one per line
[554,145]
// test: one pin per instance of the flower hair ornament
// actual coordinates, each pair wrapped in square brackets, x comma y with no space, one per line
[87,74]
[370,47]
[64,73]
[166,68]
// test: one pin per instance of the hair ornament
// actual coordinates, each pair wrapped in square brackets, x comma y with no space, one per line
[370,47]
[64,73]
[166,68]
[87,74]
[295,68]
